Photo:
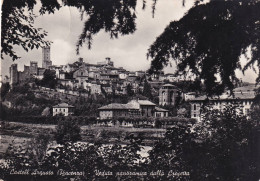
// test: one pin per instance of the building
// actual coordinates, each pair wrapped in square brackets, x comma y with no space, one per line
[33,68]
[46,57]
[94,74]
[171,77]
[243,99]
[169,95]
[114,110]
[95,88]
[160,112]
[134,108]
[69,67]
[140,73]
[63,109]
[123,75]
[189,96]
[81,75]
[13,71]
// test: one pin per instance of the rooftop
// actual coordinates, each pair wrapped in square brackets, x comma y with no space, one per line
[160,109]
[227,96]
[62,105]
[134,104]
[169,85]
[145,102]
[114,106]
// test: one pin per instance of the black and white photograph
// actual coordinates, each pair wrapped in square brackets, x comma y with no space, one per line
[130,90]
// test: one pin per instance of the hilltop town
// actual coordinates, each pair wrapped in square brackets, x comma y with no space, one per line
[107,92]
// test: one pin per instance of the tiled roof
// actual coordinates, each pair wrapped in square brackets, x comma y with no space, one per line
[246,88]
[227,96]
[169,85]
[160,109]
[145,102]
[114,106]
[131,105]
[63,105]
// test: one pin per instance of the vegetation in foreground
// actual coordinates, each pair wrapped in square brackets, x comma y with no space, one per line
[222,147]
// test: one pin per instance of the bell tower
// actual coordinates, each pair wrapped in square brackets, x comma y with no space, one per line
[168,95]
[46,57]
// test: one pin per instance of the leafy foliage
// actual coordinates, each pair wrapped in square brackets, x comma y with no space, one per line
[49,79]
[129,90]
[205,42]
[17,26]
[221,147]
[229,136]
[147,90]
[115,17]
[67,130]
[5,87]
[210,151]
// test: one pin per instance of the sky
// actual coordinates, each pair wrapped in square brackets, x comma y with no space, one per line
[65,26]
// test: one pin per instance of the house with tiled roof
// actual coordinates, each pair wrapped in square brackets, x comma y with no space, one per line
[160,112]
[241,97]
[63,109]
[140,108]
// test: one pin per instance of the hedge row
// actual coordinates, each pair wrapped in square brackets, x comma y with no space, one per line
[83,120]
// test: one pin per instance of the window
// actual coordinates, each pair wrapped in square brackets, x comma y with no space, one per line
[194,115]
[194,107]
[64,110]
[81,73]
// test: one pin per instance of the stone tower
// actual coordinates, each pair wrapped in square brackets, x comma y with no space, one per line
[13,74]
[168,95]
[46,57]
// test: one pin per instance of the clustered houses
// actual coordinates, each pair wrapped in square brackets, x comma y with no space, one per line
[104,78]
[99,77]
[93,78]
[242,97]
[134,108]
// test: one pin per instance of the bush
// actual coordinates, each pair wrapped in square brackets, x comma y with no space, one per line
[67,130]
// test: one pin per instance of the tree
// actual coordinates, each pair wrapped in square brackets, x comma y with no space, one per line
[115,17]
[67,130]
[227,136]
[49,79]
[255,108]
[205,42]
[17,27]
[129,90]
[221,147]
[173,152]
[4,89]
[147,90]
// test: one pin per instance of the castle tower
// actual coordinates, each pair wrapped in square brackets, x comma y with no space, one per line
[46,57]
[13,74]
[168,95]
